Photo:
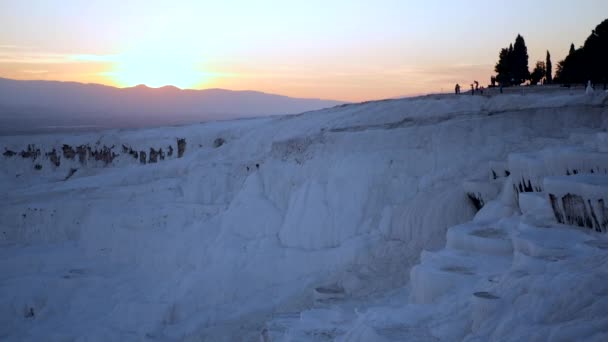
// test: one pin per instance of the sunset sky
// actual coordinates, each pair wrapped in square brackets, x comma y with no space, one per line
[342,49]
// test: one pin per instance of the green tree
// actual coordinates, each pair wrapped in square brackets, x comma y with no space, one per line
[549,69]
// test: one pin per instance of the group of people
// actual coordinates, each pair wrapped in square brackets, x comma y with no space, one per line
[474,88]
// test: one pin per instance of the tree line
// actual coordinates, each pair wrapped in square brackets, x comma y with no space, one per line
[587,63]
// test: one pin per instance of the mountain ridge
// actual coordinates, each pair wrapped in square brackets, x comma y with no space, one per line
[33,106]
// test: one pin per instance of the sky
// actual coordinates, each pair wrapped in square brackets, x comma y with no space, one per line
[351,50]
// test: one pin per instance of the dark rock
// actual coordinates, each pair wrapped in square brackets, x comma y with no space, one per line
[556,211]
[142,157]
[55,159]
[31,152]
[526,186]
[133,153]
[181,147]
[68,152]
[153,156]
[218,142]
[82,152]
[8,153]
[70,174]
[29,313]
[170,153]
[576,212]
[476,200]
[105,154]
[38,167]
[485,295]
[604,223]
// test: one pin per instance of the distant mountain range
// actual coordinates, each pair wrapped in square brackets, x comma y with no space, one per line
[51,106]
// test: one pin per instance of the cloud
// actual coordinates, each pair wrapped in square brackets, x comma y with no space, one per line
[33,58]
[94,58]
[31,71]
[14,47]
[26,55]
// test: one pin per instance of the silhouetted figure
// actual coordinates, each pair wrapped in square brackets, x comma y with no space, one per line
[501,88]
[457,89]
[476,85]
[472,89]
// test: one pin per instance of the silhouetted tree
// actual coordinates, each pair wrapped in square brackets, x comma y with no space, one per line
[595,54]
[589,62]
[503,68]
[572,49]
[520,61]
[512,66]
[539,72]
[549,69]
[571,69]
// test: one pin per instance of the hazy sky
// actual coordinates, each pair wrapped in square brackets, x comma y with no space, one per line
[338,49]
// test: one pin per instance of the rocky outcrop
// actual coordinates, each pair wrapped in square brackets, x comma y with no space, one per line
[105,154]
[93,153]
[31,152]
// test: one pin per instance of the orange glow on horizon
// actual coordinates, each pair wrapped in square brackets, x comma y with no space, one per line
[152,67]
[312,49]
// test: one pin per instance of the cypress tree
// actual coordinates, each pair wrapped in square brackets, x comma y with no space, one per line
[549,67]
[520,61]
[502,68]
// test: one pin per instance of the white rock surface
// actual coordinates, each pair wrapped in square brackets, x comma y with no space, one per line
[213,245]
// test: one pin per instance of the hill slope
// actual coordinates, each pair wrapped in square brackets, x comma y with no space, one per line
[280,227]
